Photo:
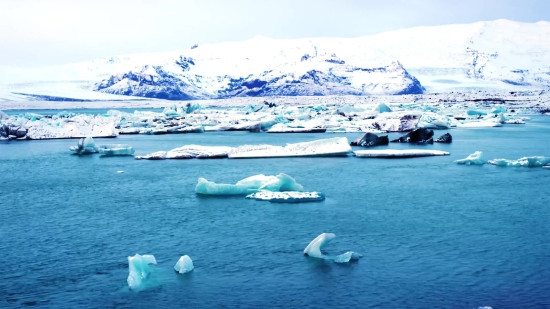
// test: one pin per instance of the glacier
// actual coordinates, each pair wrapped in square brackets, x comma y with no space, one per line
[475,158]
[252,184]
[184,265]
[287,196]
[139,270]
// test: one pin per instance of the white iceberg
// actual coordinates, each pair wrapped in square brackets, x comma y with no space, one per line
[287,197]
[337,146]
[189,152]
[85,146]
[394,153]
[139,269]
[184,265]
[536,161]
[475,158]
[281,182]
[314,247]
[116,150]
[434,121]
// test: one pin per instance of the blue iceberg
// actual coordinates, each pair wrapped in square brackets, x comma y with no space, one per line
[116,150]
[475,158]
[281,182]
[536,161]
[139,269]
[85,146]
[315,246]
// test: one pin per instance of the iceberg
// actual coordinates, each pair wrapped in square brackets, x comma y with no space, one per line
[536,161]
[139,269]
[475,158]
[85,146]
[314,247]
[394,153]
[346,257]
[252,184]
[116,150]
[337,146]
[184,265]
[189,152]
[287,197]
[283,128]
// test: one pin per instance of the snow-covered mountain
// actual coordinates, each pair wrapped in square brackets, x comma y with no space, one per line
[496,55]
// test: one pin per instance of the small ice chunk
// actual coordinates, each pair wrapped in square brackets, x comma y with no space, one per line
[346,257]
[184,265]
[85,146]
[120,172]
[475,158]
[314,247]
[394,153]
[116,150]
[139,269]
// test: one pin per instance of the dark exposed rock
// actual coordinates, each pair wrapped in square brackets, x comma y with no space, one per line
[12,132]
[416,136]
[370,140]
[445,138]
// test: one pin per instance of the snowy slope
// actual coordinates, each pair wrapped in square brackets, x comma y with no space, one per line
[497,55]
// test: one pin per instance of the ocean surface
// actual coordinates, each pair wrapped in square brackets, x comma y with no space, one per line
[433,234]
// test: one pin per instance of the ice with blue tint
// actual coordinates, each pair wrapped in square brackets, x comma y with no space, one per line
[287,197]
[139,269]
[472,112]
[184,265]
[475,158]
[85,146]
[346,257]
[252,184]
[536,161]
[116,150]
[315,246]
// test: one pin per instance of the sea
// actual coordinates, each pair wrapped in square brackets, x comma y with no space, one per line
[433,234]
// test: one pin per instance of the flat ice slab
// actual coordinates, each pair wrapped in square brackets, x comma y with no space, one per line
[287,197]
[394,153]
[337,146]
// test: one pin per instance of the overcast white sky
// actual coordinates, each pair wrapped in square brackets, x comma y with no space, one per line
[46,32]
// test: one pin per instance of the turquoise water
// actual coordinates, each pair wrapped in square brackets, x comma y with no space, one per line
[433,234]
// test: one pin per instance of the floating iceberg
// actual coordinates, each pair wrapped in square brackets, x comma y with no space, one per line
[315,246]
[346,257]
[479,124]
[287,197]
[184,265]
[85,146]
[475,158]
[116,150]
[394,153]
[337,146]
[536,161]
[281,182]
[434,121]
[189,152]
[283,128]
[139,269]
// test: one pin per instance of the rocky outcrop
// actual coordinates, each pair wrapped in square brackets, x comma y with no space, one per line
[370,140]
[445,138]
[417,136]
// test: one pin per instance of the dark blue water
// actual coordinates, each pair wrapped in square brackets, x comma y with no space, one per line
[433,234]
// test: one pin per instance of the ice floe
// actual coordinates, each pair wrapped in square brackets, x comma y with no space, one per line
[287,197]
[85,146]
[184,265]
[535,161]
[337,146]
[252,184]
[395,153]
[189,152]
[139,269]
[475,158]
[116,150]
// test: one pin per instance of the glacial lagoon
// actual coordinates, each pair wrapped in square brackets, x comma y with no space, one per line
[433,234]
